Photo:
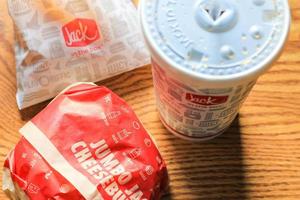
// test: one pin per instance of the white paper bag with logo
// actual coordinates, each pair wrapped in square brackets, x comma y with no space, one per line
[59,42]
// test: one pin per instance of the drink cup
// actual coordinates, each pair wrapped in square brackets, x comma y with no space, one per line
[207,55]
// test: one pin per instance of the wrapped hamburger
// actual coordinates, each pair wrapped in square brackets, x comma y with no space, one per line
[86,144]
[60,42]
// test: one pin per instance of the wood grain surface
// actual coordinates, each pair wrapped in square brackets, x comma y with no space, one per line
[257,158]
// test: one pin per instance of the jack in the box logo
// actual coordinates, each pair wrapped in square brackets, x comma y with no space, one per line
[80,32]
[206,100]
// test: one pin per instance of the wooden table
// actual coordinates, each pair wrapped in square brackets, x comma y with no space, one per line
[257,158]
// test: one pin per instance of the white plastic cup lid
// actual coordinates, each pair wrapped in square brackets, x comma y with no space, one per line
[216,39]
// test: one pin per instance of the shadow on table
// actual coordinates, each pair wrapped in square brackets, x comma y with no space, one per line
[209,170]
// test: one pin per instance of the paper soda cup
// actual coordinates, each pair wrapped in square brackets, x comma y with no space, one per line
[207,55]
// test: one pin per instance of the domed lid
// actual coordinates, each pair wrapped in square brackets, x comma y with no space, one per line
[216,38]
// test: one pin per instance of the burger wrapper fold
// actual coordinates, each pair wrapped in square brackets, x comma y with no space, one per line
[86,144]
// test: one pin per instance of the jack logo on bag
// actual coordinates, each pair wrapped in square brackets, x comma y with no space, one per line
[80,32]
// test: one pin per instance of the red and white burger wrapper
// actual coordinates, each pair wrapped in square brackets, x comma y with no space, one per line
[86,144]
[60,42]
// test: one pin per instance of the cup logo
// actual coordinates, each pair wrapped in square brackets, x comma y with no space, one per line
[80,32]
[206,100]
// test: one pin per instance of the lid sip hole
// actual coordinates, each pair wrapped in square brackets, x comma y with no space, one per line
[222,12]
[215,13]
